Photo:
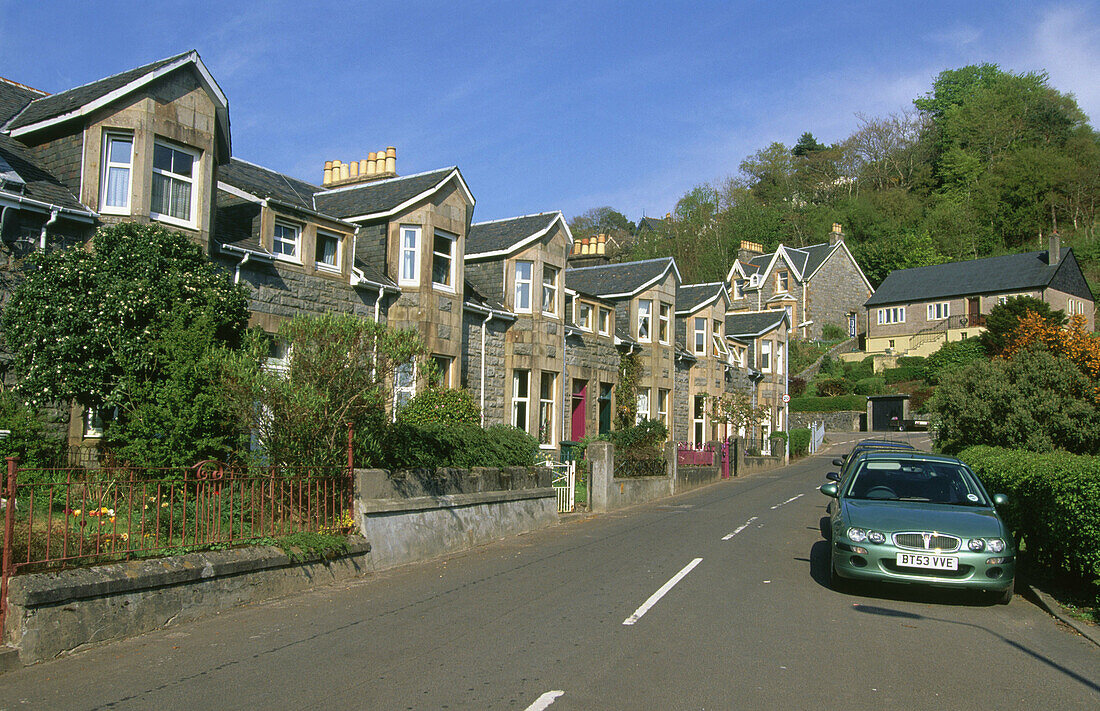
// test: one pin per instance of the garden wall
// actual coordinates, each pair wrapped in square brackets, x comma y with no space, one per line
[607,492]
[843,421]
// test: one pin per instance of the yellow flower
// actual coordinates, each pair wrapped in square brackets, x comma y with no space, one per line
[164,505]
[76,512]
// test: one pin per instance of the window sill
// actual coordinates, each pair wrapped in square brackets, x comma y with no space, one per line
[288,259]
[124,211]
[326,268]
[443,288]
[174,221]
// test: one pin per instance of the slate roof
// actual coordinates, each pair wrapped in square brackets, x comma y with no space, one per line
[618,279]
[14,97]
[500,235]
[234,219]
[476,298]
[753,323]
[690,296]
[55,105]
[659,225]
[1009,272]
[38,184]
[805,259]
[379,196]
[265,183]
[373,273]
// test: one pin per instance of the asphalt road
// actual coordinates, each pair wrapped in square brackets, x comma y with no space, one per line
[573,618]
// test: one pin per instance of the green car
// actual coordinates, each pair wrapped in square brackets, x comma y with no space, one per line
[913,517]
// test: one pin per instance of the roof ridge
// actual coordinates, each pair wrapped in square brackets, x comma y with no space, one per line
[359,186]
[703,283]
[165,60]
[270,170]
[24,86]
[520,217]
[621,264]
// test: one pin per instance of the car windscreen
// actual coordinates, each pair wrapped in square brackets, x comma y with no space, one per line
[915,480]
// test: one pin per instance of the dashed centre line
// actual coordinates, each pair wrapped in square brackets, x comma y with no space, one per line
[661,593]
[544,701]
[740,528]
[799,496]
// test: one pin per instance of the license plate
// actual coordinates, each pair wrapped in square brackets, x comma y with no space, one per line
[932,562]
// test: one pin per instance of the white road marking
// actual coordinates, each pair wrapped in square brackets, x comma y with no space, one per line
[740,528]
[545,700]
[661,593]
[787,501]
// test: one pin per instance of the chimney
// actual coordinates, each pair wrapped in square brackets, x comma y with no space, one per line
[1054,250]
[749,250]
[378,165]
[837,235]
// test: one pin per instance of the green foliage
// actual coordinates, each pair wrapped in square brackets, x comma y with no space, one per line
[1036,401]
[833,332]
[901,375]
[799,441]
[911,361]
[31,438]
[804,353]
[1004,318]
[1052,505]
[905,251]
[952,356]
[647,437]
[460,445]
[870,386]
[829,404]
[796,386]
[626,390]
[338,371]
[440,405]
[832,387]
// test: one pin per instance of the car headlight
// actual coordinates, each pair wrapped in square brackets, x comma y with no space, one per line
[996,544]
[876,536]
[857,535]
[976,544]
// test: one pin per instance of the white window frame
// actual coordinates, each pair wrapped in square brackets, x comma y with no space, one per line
[450,256]
[765,356]
[699,336]
[662,407]
[738,291]
[445,365]
[192,180]
[296,242]
[783,282]
[664,325]
[523,305]
[779,357]
[737,356]
[605,321]
[338,258]
[408,276]
[716,338]
[939,311]
[550,289]
[698,419]
[401,386]
[647,319]
[104,182]
[547,410]
[642,404]
[891,315]
[584,319]
[524,400]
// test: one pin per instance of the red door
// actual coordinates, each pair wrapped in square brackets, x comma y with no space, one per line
[580,400]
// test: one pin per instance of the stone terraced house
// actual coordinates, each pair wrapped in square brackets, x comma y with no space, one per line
[760,343]
[537,343]
[816,285]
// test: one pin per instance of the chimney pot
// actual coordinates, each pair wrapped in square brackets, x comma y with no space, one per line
[327,174]
[391,161]
[837,234]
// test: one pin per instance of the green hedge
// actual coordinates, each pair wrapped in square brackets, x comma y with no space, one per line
[457,445]
[904,373]
[829,404]
[870,386]
[1052,504]
[911,361]
[800,441]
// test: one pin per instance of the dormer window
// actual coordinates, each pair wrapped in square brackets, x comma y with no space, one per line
[443,259]
[287,241]
[605,321]
[410,256]
[664,327]
[328,252]
[738,292]
[549,290]
[782,280]
[700,336]
[584,316]
[173,184]
[645,319]
[118,159]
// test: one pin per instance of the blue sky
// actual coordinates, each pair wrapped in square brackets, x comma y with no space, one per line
[552,105]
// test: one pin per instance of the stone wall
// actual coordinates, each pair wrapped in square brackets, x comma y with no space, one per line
[282,293]
[846,421]
[594,359]
[837,290]
[495,408]
[681,399]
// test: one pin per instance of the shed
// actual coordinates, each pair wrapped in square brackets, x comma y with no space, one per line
[882,409]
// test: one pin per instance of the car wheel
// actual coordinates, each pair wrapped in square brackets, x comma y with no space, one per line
[826,529]
[836,582]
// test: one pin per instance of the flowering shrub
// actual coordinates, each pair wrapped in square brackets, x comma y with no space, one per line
[440,405]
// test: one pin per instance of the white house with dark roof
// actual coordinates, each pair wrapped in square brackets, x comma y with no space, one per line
[816,285]
[915,311]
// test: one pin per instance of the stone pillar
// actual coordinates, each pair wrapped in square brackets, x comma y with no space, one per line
[672,461]
[601,469]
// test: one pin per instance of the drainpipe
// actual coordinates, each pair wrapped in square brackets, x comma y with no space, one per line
[805,318]
[54,213]
[787,394]
[237,270]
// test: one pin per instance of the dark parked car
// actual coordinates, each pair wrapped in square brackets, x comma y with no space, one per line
[912,517]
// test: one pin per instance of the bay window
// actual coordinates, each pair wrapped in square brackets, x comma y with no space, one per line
[443,259]
[173,184]
[410,256]
[118,160]
[700,336]
[521,380]
[645,318]
[546,408]
[549,290]
[523,287]
[664,326]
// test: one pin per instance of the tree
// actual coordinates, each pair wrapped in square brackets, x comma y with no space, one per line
[878,259]
[600,220]
[1004,318]
[1074,343]
[129,324]
[806,145]
[337,371]
[737,411]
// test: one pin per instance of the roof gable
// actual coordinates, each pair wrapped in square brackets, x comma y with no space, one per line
[622,280]
[498,238]
[14,97]
[752,324]
[692,297]
[383,198]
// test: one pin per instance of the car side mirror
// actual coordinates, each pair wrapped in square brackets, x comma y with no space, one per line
[838,462]
[829,490]
[1000,499]
[833,476]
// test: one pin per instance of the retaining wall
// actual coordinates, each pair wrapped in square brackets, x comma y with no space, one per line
[843,421]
